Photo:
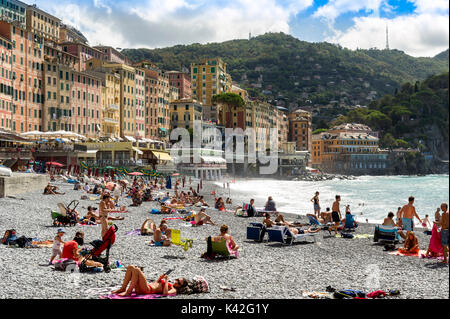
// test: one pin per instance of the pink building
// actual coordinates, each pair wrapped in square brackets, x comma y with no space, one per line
[112,55]
[83,52]
[6,84]
[140,103]
[87,112]
[182,81]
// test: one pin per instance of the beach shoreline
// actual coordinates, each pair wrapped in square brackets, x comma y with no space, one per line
[263,270]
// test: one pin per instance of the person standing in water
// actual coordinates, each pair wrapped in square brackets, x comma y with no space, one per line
[315,200]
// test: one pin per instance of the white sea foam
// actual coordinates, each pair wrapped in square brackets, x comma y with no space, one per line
[379,194]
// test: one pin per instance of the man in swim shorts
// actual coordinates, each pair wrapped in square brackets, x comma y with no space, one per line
[408,212]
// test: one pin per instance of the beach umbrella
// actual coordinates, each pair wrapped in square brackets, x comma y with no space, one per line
[136,174]
[110,185]
[169,183]
[56,164]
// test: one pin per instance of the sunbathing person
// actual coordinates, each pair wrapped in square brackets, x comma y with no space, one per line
[135,281]
[326,216]
[389,221]
[229,239]
[52,190]
[162,235]
[297,231]
[411,245]
[279,221]
[202,218]
[148,227]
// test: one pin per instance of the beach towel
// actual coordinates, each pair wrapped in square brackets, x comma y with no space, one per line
[435,241]
[398,253]
[172,218]
[135,232]
[134,296]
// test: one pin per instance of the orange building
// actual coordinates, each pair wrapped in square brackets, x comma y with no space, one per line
[300,129]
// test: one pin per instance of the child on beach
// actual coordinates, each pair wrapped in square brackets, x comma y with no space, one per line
[426,223]
[57,249]
[411,245]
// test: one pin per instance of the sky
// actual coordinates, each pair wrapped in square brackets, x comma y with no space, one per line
[417,27]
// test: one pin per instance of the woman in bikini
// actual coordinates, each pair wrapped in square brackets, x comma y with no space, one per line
[411,245]
[137,282]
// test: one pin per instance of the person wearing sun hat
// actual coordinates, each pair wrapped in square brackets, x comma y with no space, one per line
[57,245]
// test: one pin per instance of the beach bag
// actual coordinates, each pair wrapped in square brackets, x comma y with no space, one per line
[67,264]
[9,237]
[342,294]
[346,235]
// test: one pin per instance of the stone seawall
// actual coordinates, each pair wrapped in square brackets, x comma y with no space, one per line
[20,183]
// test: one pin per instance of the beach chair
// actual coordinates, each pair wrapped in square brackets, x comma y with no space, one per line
[282,234]
[221,248]
[314,222]
[65,216]
[256,232]
[178,241]
[386,234]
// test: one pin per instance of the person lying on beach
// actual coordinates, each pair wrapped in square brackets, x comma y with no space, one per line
[201,218]
[411,245]
[229,239]
[279,221]
[162,235]
[148,227]
[298,231]
[52,190]
[220,205]
[135,281]
[201,202]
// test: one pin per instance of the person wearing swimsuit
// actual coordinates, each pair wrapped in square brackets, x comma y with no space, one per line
[315,200]
[135,281]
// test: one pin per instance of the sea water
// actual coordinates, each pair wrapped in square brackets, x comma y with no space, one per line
[369,197]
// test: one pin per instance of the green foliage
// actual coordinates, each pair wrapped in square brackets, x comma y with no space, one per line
[318,131]
[416,117]
[229,99]
[302,71]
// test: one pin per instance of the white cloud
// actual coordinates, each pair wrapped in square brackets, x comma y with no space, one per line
[418,35]
[334,8]
[157,23]
[429,6]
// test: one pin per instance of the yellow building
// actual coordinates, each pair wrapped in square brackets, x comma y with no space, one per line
[208,79]
[43,24]
[110,105]
[332,149]
[184,112]
[127,92]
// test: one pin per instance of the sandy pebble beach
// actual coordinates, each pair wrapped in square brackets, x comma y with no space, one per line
[264,270]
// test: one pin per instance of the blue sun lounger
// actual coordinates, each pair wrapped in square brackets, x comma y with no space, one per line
[386,234]
[256,232]
[282,234]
